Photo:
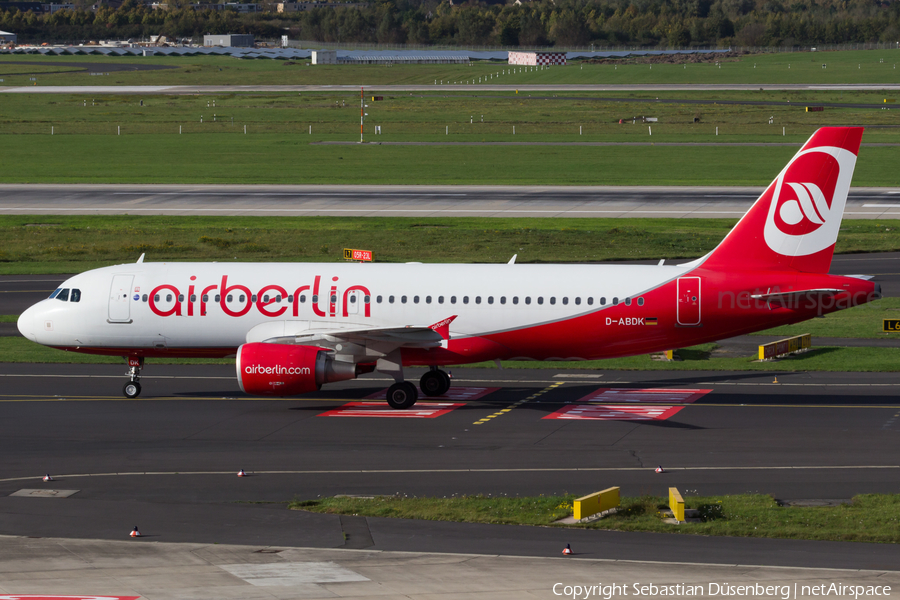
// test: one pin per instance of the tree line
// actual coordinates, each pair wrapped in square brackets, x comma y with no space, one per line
[563,23]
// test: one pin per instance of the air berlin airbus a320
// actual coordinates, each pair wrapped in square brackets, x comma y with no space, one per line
[294,327]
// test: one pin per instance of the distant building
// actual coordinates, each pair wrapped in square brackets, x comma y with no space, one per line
[235,6]
[7,37]
[232,40]
[324,57]
[52,8]
[537,58]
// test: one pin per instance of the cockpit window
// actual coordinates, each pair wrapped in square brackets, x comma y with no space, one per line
[75,296]
[63,295]
[55,292]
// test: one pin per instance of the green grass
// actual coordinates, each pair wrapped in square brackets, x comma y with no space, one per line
[67,244]
[868,518]
[9,318]
[859,66]
[858,322]
[286,159]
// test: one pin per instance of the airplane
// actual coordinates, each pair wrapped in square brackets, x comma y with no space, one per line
[293,327]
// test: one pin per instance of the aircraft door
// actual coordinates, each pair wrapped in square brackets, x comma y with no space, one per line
[688,308]
[119,302]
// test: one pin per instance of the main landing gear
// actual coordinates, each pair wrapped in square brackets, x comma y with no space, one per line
[403,394]
[132,389]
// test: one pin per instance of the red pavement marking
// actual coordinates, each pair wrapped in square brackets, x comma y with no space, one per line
[603,412]
[422,410]
[455,393]
[670,396]
[78,597]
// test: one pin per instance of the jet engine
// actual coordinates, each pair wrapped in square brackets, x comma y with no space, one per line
[287,370]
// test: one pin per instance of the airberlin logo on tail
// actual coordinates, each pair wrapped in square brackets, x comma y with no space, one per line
[808,201]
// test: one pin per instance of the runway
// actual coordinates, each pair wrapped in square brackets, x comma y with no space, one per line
[411,201]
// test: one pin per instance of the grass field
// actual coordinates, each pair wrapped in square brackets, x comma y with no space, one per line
[860,66]
[69,244]
[867,518]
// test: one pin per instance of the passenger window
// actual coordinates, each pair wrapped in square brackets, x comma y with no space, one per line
[315,298]
[416,299]
[242,298]
[590,300]
[63,295]
[353,299]
[333,298]
[156,297]
[465,299]
[452,299]
[615,301]
[204,298]
[627,301]
[515,299]
[640,301]
[502,299]
[168,297]
[277,298]
[540,299]
[490,299]
[577,300]
[378,299]
[403,299]
[193,297]
[427,299]
[440,299]
[265,298]
[367,299]
[54,294]
[228,298]
[76,296]
[181,297]
[477,299]
[565,300]
[302,298]
[290,298]
[218,298]
[553,300]
[391,299]
[603,301]
[527,299]
[252,298]
[144,298]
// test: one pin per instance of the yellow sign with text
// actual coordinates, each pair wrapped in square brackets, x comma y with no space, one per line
[891,325]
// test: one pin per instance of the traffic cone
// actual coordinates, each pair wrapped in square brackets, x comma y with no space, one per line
[47,477]
[659,469]
[135,532]
[567,550]
[776,380]
[241,473]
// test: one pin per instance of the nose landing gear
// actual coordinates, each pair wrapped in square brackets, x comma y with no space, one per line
[132,389]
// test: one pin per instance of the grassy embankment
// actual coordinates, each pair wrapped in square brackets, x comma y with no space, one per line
[867,518]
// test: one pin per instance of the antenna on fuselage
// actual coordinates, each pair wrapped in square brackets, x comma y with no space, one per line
[141,259]
[661,263]
[512,261]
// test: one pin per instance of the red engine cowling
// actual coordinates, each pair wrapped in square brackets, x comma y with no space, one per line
[287,370]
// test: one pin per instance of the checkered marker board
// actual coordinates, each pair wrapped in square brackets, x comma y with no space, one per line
[454,393]
[603,412]
[422,410]
[660,395]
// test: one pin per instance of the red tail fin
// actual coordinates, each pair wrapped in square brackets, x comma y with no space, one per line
[794,224]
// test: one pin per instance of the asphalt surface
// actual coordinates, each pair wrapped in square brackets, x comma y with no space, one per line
[231,89]
[410,201]
[168,460]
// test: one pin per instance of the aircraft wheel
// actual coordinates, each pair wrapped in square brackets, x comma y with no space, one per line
[132,389]
[435,383]
[402,395]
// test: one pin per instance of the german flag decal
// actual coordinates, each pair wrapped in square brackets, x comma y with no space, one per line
[650,321]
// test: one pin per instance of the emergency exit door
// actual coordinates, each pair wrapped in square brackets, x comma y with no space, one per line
[688,308]
[119,301]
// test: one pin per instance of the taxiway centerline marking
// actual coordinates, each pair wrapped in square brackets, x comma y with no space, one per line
[60,477]
[519,403]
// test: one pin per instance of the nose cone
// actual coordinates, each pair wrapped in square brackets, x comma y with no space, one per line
[26,324]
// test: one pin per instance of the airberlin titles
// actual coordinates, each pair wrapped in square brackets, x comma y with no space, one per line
[236,299]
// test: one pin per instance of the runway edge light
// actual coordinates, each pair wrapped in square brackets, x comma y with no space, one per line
[241,473]
[47,477]
[135,532]
[659,469]
[568,550]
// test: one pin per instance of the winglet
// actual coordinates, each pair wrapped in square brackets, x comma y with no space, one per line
[442,327]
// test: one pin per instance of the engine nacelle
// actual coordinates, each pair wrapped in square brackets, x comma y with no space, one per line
[287,370]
